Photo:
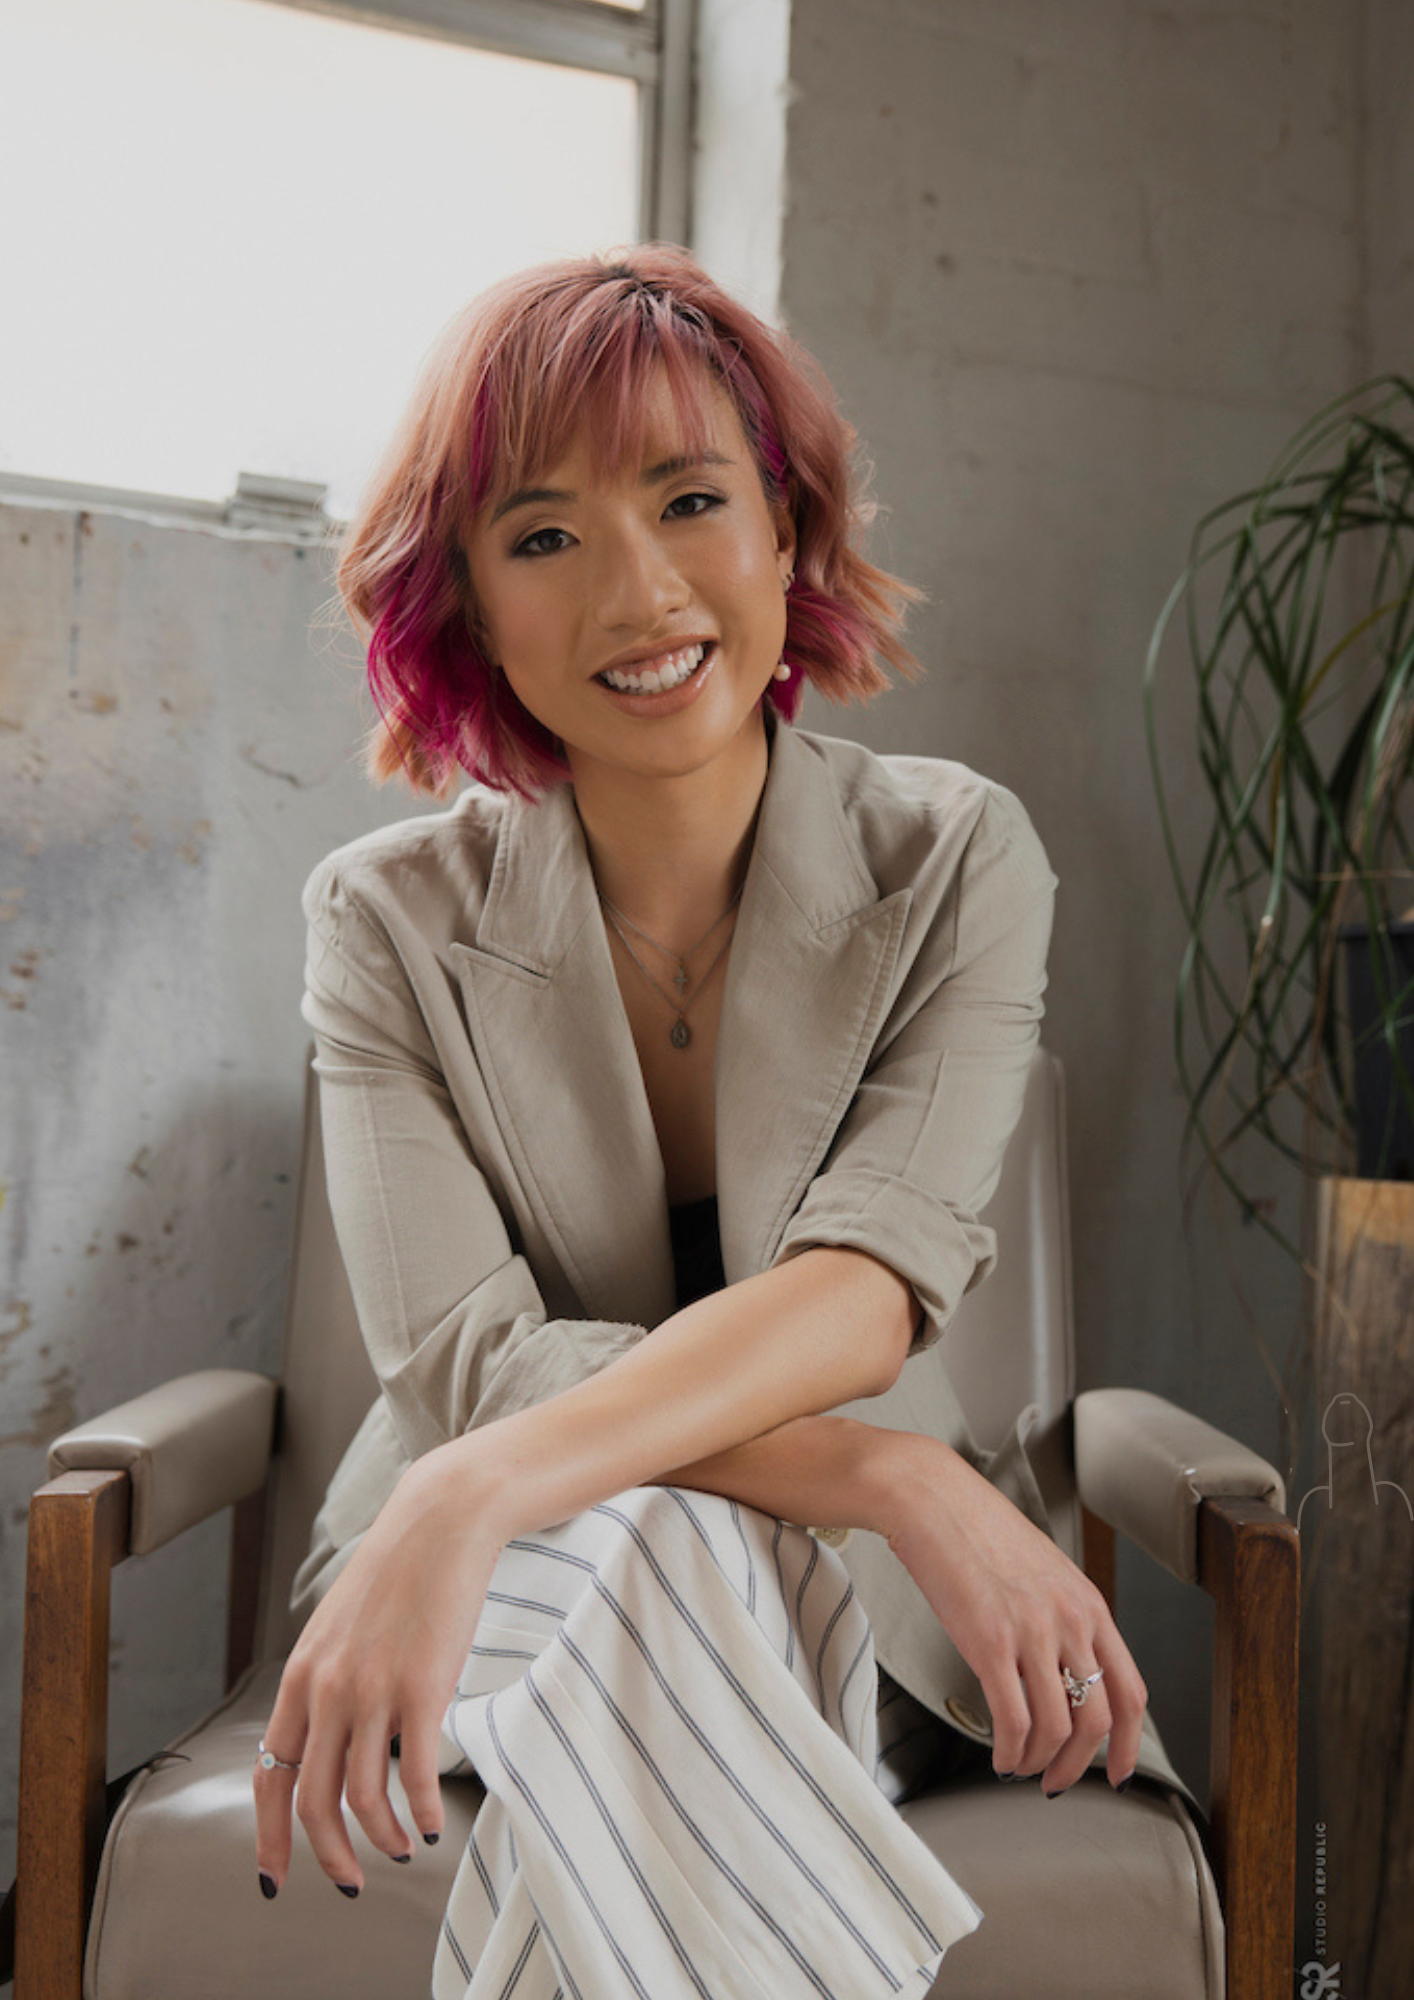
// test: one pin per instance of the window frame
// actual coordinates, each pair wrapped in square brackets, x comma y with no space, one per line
[653,47]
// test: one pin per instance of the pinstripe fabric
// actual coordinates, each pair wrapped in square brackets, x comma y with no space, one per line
[690,1768]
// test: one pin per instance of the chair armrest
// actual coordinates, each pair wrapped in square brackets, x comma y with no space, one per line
[191,1447]
[1145,1466]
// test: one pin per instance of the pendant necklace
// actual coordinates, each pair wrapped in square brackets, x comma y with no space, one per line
[679,1034]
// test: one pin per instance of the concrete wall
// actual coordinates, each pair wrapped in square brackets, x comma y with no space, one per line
[1386,166]
[178,728]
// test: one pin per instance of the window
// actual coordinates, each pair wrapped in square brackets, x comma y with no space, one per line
[232,227]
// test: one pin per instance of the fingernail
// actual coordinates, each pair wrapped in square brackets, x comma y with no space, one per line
[1125,1783]
[1006,1776]
[400,1857]
[268,1887]
[1055,1795]
[432,1838]
[346,1888]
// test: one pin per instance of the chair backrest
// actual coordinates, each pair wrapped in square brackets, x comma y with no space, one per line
[1009,1343]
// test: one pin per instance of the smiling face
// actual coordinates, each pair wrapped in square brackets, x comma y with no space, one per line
[666,567]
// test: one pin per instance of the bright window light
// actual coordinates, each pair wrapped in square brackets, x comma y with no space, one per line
[230,230]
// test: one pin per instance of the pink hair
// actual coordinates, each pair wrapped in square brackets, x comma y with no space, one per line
[502,395]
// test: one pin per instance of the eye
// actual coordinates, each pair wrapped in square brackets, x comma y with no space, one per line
[541,545]
[709,500]
[529,546]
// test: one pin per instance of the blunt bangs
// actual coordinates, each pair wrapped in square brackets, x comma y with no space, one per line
[569,349]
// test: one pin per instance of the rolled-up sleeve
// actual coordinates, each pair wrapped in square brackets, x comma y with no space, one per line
[451,1315]
[919,1152]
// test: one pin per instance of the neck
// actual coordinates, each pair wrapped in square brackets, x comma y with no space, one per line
[671,852]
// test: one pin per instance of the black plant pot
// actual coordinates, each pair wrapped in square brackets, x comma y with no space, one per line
[1384,1130]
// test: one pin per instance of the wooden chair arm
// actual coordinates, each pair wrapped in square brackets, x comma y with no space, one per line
[78,1530]
[1249,1563]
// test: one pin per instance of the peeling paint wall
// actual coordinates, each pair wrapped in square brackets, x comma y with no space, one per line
[179,723]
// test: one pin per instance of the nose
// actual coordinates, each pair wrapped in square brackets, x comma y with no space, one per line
[637,587]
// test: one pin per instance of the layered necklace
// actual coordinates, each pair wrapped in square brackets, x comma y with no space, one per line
[679,1034]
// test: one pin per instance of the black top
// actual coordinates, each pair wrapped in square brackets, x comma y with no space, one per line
[697,1249]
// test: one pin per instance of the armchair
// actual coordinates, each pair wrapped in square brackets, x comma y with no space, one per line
[1096,1895]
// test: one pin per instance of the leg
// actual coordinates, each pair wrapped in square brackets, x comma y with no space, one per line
[672,1702]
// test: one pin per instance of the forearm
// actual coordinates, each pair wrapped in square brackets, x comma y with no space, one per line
[821,1472]
[822,1329]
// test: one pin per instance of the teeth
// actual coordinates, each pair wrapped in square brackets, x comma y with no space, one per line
[668,673]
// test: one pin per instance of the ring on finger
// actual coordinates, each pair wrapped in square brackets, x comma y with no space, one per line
[268,1761]
[1079,1690]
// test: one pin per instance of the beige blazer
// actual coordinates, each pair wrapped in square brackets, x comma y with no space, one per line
[494,1173]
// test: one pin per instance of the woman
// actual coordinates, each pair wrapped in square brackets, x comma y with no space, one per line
[664,934]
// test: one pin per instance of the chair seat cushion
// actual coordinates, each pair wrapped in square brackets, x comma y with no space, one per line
[1086,1896]
[1092,1895]
[179,1913]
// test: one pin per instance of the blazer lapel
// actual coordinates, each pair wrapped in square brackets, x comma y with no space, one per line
[808,980]
[808,977]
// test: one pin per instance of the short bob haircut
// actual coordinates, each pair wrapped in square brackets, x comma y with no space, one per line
[500,399]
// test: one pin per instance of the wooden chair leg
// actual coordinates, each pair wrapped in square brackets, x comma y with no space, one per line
[1249,1561]
[78,1529]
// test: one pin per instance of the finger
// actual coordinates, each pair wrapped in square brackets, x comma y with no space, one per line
[1128,1699]
[417,1767]
[1005,1695]
[1089,1724]
[367,1789]
[317,1801]
[1050,1708]
[274,1790]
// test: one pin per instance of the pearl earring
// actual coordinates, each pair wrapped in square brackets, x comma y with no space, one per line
[782,672]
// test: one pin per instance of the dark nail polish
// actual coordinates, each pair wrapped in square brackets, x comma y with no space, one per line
[432,1838]
[346,1888]
[1006,1776]
[400,1857]
[267,1886]
[1055,1795]
[1125,1783]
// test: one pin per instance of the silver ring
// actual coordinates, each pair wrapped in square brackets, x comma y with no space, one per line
[268,1761]
[1079,1691]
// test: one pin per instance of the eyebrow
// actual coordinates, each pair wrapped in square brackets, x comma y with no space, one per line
[653,475]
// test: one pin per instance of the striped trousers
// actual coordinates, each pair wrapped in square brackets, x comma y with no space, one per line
[691,1772]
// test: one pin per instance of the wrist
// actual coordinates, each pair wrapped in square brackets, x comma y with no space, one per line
[903,1479]
[454,1487]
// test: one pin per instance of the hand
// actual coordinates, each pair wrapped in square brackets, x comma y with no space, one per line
[1018,1610]
[378,1658]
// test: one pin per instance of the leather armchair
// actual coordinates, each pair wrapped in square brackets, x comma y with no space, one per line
[1135,1895]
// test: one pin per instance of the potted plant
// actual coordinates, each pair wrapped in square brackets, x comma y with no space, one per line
[1298,608]
[1298,599]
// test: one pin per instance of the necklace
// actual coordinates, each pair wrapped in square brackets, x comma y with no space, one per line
[679,1034]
